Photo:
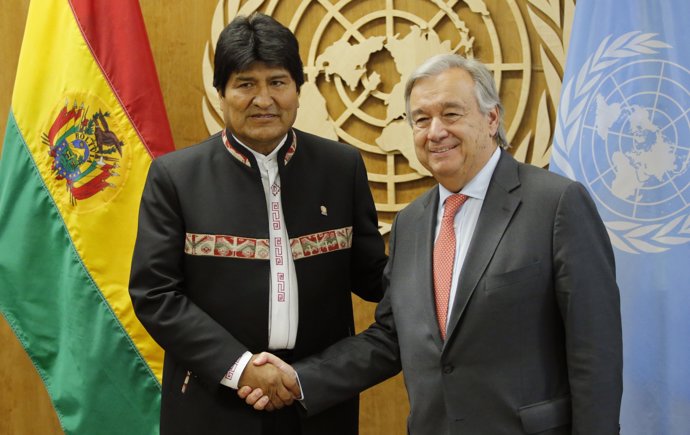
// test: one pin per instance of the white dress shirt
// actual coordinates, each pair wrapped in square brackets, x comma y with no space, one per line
[283,306]
[466,219]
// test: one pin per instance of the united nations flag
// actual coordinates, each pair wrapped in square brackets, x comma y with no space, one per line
[623,130]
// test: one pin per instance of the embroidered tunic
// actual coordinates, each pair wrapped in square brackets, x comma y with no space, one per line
[283,306]
[200,279]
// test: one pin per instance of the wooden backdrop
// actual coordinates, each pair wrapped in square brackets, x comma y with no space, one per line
[179,32]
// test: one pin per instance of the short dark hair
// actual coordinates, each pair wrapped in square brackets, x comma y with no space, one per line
[255,38]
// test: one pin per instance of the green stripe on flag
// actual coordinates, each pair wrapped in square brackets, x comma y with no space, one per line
[97,381]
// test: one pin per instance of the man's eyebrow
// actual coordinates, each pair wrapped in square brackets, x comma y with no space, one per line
[244,78]
[444,106]
[416,112]
[249,78]
[452,105]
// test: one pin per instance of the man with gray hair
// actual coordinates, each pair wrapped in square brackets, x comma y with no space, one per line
[501,306]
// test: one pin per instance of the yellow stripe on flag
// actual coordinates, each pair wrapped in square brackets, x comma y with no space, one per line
[102,226]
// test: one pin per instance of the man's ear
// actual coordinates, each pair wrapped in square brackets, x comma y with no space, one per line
[493,117]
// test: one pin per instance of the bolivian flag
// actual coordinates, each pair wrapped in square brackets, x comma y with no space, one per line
[87,117]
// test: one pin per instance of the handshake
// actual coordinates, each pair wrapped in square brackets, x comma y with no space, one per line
[268,383]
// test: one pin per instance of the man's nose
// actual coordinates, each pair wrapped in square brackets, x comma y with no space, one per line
[437,129]
[263,97]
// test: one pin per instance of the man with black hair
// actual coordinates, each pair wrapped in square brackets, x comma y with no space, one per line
[252,241]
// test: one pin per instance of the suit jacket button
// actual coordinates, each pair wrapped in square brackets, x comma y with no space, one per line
[448,370]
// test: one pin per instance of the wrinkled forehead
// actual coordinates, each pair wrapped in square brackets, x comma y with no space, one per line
[448,89]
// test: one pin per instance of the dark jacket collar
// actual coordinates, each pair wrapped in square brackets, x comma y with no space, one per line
[243,155]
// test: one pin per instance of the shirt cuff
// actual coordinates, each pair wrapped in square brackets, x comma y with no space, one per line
[300,399]
[232,377]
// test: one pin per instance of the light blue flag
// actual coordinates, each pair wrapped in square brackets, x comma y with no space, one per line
[623,130]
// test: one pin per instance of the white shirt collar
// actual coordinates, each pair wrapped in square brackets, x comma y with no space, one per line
[477,186]
[273,155]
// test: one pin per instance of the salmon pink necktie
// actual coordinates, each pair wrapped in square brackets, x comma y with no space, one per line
[444,258]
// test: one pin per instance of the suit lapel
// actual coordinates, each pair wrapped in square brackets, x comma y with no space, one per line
[424,248]
[497,211]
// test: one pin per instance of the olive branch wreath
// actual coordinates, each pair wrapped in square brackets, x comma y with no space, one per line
[553,28]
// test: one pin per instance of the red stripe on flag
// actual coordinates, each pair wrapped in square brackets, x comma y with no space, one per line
[127,63]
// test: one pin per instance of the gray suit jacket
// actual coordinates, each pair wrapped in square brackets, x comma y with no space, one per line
[534,337]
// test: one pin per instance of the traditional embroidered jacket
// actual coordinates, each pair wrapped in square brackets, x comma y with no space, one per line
[200,272]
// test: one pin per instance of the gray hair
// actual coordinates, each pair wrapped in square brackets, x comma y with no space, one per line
[484,86]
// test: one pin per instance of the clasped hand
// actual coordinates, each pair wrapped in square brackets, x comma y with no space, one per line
[268,383]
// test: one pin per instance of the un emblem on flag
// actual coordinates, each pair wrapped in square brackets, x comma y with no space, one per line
[631,142]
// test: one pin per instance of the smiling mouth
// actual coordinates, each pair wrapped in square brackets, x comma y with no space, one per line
[439,150]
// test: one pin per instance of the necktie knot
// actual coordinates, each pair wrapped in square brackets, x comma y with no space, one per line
[453,204]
